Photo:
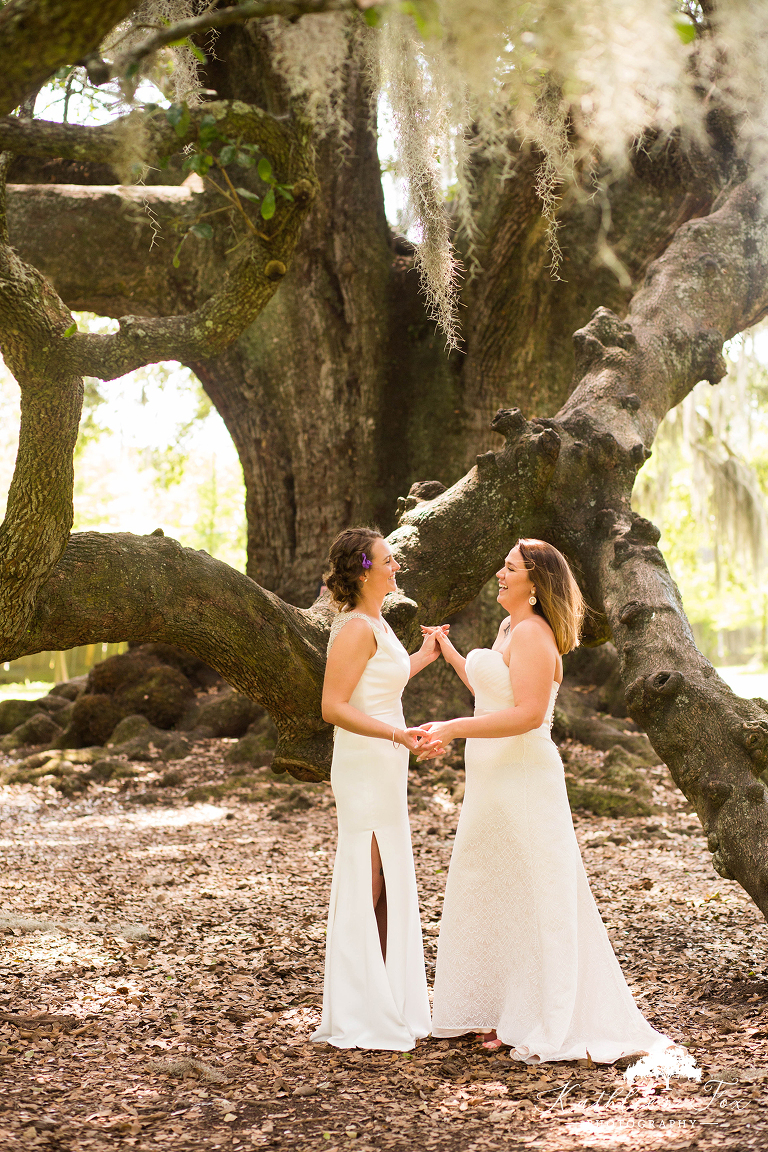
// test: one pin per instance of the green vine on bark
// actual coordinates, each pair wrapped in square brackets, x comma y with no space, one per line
[201,158]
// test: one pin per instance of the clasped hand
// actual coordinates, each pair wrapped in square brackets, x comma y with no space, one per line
[418,740]
[437,733]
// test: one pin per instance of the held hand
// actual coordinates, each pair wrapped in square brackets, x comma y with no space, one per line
[430,646]
[446,647]
[415,740]
[431,643]
[440,735]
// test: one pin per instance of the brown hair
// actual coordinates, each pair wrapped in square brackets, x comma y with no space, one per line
[559,598]
[346,564]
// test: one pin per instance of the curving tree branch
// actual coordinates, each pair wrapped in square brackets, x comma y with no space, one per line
[152,138]
[149,587]
[127,63]
[262,263]
[49,359]
[569,480]
[39,36]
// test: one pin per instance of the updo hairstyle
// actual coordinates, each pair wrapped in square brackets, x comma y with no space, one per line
[346,564]
[559,598]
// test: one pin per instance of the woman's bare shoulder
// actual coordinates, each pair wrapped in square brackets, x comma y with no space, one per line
[532,630]
[351,630]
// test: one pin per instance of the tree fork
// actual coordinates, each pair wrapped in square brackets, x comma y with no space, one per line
[714,743]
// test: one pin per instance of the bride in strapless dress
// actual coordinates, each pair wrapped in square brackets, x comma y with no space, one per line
[523,956]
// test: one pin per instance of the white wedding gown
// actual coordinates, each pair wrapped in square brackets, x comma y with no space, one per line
[522,948]
[367,1003]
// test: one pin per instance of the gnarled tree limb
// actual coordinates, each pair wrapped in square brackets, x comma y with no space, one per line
[150,588]
[98,246]
[39,36]
[570,480]
[126,64]
[152,138]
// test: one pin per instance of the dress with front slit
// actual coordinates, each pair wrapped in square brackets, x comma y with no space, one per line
[369,1002]
[522,947]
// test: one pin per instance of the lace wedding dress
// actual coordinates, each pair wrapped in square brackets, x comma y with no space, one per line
[368,1003]
[522,948]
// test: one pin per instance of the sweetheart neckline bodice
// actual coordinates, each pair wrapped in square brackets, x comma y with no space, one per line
[493,692]
[496,652]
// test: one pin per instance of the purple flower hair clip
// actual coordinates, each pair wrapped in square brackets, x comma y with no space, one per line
[365,561]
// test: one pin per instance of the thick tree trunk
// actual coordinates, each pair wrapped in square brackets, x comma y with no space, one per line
[39,36]
[340,396]
[569,480]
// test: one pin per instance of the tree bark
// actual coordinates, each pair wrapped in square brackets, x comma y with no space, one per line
[569,480]
[337,421]
[39,36]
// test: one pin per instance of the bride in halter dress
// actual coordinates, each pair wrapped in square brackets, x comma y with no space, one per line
[375,992]
[523,955]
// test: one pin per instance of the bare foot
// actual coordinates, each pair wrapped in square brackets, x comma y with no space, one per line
[488,1038]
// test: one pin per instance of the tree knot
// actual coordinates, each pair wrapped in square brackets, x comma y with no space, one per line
[665,683]
[485,461]
[707,355]
[508,422]
[644,530]
[547,443]
[303,192]
[753,735]
[605,330]
[638,454]
[721,867]
[631,402]
[275,270]
[717,792]
[605,520]
[631,613]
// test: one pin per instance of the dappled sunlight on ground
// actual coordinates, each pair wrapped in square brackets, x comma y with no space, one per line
[162,968]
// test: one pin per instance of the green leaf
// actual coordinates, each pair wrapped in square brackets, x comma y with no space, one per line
[685,27]
[204,231]
[178,117]
[372,17]
[197,52]
[198,162]
[268,205]
[285,191]
[70,331]
[244,160]
[227,154]
[176,260]
[244,192]
[265,171]
[426,15]
[209,131]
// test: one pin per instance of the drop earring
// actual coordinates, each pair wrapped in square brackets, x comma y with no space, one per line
[532,598]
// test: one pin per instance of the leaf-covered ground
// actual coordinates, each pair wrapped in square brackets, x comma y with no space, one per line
[161,964]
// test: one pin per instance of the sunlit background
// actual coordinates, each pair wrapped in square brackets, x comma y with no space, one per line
[153,452]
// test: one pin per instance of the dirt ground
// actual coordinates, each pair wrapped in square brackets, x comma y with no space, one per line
[161,965]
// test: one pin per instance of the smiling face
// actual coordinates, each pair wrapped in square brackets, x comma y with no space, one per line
[515,584]
[381,574]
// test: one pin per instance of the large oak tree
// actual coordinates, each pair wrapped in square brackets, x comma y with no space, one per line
[303,318]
